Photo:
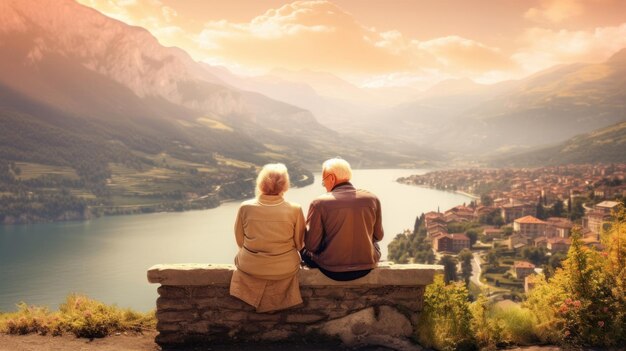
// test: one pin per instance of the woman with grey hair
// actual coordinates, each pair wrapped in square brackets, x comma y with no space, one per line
[270,233]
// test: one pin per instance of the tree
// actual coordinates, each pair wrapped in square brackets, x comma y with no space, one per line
[466,256]
[577,209]
[449,268]
[486,200]
[536,255]
[558,209]
[472,234]
[584,302]
[492,258]
[541,211]
[417,224]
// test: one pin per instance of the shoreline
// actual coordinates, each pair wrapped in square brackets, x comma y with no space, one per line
[472,196]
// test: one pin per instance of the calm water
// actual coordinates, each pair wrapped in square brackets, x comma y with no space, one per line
[107,258]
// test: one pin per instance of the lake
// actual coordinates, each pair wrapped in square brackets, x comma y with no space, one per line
[107,258]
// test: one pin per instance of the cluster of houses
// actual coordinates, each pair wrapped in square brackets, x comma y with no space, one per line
[526,186]
[436,224]
[552,233]
[515,197]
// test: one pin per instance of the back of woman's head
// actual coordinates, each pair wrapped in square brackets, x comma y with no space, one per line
[273,179]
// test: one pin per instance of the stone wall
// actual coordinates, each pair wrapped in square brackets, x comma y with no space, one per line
[194,306]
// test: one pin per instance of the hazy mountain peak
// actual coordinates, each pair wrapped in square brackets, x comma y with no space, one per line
[618,58]
[127,54]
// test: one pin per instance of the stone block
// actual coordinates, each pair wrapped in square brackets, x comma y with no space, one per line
[174,292]
[265,317]
[337,313]
[275,335]
[352,305]
[176,316]
[212,315]
[385,275]
[219,303]
[170,338]
[235,316]
[331,292]
[403,294]
[200,327]
[320,304]
[168,327]
[365,323]
[306,292]
[209,291]
[356,293]
[191,274]
[304,318]
[165,304]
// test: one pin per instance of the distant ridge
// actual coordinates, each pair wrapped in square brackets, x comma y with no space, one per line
[548,107]
[606,145]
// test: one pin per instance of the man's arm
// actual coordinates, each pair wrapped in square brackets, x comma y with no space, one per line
[378,225]
[315,231]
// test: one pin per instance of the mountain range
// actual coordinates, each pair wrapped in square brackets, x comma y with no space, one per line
[70,73]
[546,108]
[80,88]
[605,145]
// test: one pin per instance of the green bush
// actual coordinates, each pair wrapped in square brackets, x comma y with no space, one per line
[584,303]
[445,322]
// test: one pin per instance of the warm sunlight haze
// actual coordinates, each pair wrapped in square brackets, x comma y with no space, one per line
[312,175]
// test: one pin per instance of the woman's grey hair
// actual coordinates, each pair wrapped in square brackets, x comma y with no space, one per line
[273,179]
[339,167]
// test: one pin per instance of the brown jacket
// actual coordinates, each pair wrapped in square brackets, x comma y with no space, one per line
[343,227]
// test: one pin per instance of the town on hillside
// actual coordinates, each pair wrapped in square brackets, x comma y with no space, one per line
[521,222]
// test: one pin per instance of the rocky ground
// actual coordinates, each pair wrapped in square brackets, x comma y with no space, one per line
[145,342]
[141,342]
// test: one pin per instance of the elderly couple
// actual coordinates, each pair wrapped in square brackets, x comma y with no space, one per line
[340,236]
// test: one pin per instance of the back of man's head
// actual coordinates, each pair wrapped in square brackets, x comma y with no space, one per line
[339,167]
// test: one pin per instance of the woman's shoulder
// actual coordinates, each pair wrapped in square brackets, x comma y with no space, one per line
[293,205]
[248,203]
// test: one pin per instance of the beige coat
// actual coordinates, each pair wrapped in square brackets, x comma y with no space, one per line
[270,233]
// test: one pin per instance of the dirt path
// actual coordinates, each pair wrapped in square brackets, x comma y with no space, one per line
[144,342]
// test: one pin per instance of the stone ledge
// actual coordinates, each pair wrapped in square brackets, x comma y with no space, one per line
[195,274]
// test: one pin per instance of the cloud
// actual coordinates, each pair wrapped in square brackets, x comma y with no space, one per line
[466,56]
[168,13]
[546,47]
[555,11]
[319,35]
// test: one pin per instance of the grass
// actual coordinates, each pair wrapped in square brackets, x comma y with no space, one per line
[34,170]
[79,315]
[213,124]
[516,322]
[126,180]
[232,162]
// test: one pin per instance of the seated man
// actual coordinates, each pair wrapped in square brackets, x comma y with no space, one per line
[344,226]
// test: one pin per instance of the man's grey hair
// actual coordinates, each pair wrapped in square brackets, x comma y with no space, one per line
[339,167]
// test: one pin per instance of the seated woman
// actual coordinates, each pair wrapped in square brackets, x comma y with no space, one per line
[270,233]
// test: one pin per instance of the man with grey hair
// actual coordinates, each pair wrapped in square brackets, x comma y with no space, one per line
[344,226]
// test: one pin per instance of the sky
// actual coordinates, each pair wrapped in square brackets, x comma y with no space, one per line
[376,43]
